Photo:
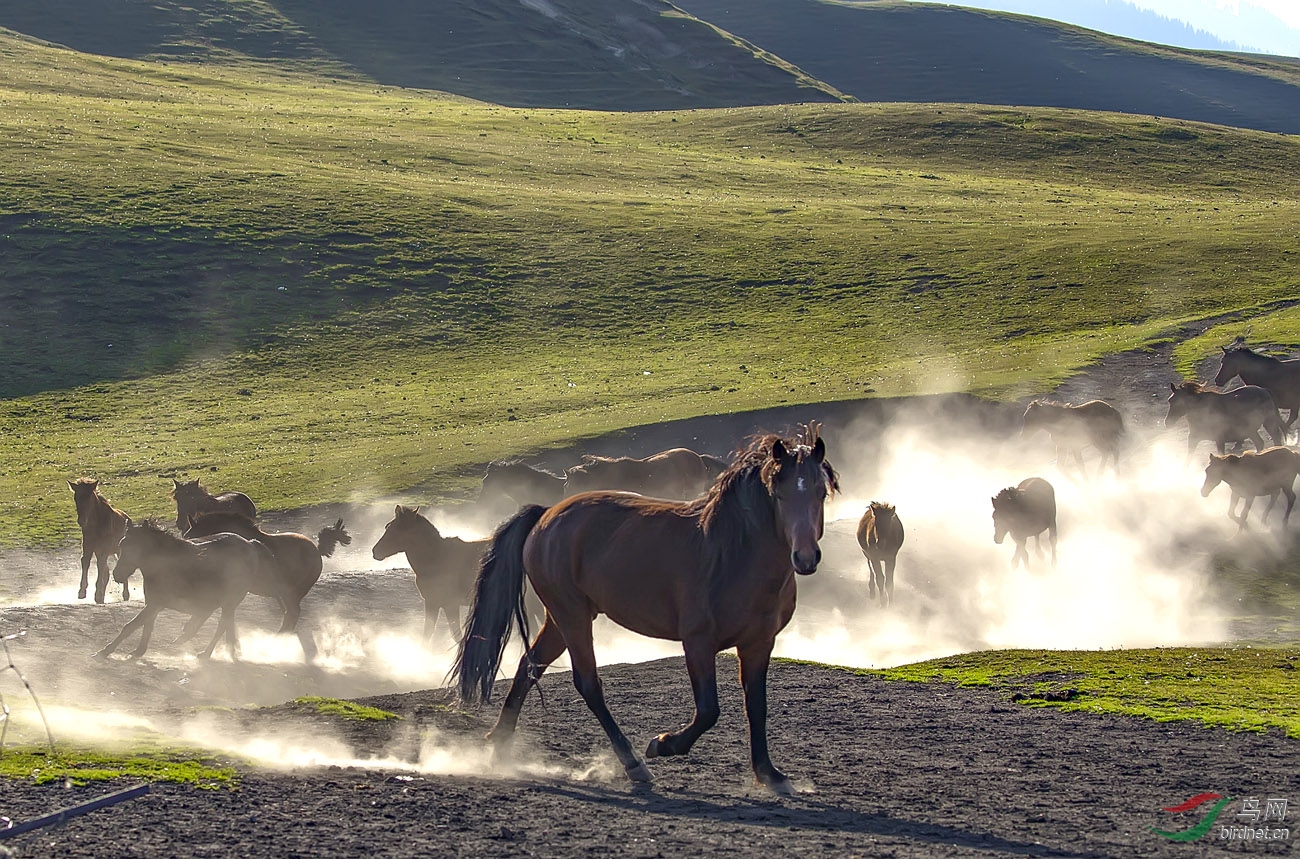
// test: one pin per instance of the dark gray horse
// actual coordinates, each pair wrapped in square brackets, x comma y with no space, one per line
[1279,377]
[1023,511]
[1224,417]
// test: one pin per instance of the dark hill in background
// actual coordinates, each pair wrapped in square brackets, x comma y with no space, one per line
[601,54]
[906,52]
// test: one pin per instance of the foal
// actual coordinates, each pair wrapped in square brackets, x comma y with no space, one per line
[102,527]
[880,534]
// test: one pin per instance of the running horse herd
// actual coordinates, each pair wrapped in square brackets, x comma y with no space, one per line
[678,546]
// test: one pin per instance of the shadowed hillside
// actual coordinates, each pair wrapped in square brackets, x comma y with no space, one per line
[526,53]
[905,52]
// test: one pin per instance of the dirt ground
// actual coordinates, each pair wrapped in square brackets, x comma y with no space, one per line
[885,769]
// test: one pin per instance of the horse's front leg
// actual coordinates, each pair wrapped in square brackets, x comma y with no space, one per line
[85,572]
[872,573]
[145,634]
[754,660]
[1245,511]
[887,590]
[101,577]
[192,627]
[131,626]
[701,664]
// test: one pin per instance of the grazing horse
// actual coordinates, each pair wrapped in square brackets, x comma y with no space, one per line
[1251,474]
[102,527]
[713,573]
[192,499]
[1224,417]
[521,484]
[1280,377]
[192,576]
[880,534]
[298,564]
[1074,428]
[1023,511]
[679,473]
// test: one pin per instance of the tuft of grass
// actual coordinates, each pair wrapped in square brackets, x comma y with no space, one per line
[83,765]
[1238,688]
[349,710]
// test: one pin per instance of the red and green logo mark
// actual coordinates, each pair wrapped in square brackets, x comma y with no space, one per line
[1205,823]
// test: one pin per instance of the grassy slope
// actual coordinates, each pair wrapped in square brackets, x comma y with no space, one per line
[322,291]
[597,54]
[909,52]
[1240,688]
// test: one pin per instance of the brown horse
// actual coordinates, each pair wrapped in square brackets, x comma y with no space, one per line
[102,527]
[192,576]
[1251,474]
[520,484]
[1023,511]
[1279,376]
[1224,417]
[880,534]
[712,573]
[298,564]
[679,473]
[192,499]
[1074,428]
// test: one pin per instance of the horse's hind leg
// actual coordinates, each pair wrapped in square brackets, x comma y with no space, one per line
[887,590]
[1290,503]
[587,681]
[754,660]
[873,574]
[191,628]
[545,649]
[701,664]
[145,634]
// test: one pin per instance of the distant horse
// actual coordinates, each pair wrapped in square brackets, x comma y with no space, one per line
[679,473]
[1224,417]
[297,567]
[1074,428]
[1023,511]
[713,573]
[192,499]
[1280,377]
[192,576]
[1251,474]
[880,534]
[102,527]
[521,484]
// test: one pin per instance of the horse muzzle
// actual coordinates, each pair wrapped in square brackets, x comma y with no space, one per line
[805,562]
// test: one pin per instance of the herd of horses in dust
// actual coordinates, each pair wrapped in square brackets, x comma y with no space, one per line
[678,546]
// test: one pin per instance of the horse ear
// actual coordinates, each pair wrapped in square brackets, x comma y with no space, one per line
[819,451]
[416,508]
[399,510]
[72,486]
[339,524]
[1173,387]
[778,450]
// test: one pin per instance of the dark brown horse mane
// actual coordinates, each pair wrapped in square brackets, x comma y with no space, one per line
[1194,387]
[228,515]
[154,525]
[513,463]
[882,505]
[1009,495]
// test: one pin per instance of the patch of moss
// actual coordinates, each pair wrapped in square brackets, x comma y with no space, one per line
[344,709]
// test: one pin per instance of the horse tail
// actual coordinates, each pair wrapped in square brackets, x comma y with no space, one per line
[1275,427]
[331,536]
[498,597]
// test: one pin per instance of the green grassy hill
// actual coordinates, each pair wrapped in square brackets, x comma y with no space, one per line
[618,55]
[326,291]
[880,50]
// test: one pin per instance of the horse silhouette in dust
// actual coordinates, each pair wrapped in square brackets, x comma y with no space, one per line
[102,527]
[297,568]
[1074,428]
[1279,376]
[1252,474]
[1224,417]
[880,535]
[191,576]
[192,499]
[679,473]
[521,484]
[1023,511]
[713,573]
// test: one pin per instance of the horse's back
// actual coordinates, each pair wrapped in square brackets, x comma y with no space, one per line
[1040,498]
[1102,419]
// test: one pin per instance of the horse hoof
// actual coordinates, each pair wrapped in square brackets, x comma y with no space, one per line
[652,750]
[781,787]
[639,772]
[81,594]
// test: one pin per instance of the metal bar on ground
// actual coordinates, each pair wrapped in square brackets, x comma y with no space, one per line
[75,811]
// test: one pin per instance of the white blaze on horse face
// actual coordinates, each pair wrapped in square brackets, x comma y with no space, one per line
[801,485]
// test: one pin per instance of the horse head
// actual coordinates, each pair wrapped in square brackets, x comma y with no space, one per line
[1004,505]
[1216,471]
[397,533]
[799,482]
[1181,398]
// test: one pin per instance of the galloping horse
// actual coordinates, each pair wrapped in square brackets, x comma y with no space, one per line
[444,567]
[193,576]
[1251,474]
[520,483]
[679,473]
[1224,417]
[1023,511]
[298,564]
[1073,428]
[192,499]
[712,573]
[1280,377]
[102,527]
[880,534]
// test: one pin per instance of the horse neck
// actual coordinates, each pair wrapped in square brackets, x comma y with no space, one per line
[421,542]
[741,531]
